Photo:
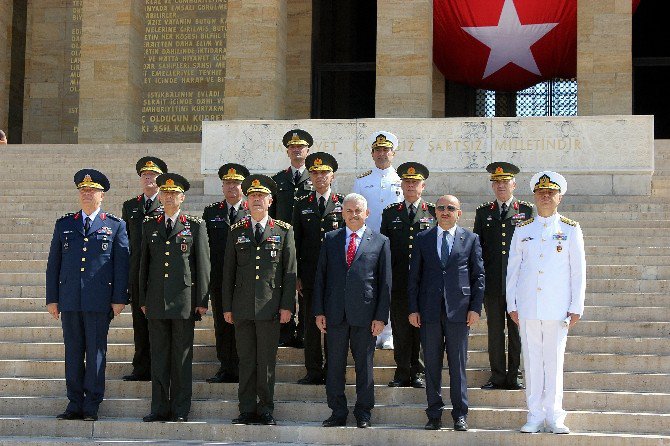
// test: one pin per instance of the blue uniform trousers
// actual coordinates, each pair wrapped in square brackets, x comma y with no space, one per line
[85,338]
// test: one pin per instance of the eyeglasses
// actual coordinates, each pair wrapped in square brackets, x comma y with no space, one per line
[448,207]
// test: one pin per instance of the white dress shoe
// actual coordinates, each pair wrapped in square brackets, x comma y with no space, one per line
[559,429]
[388,344]
[531,428]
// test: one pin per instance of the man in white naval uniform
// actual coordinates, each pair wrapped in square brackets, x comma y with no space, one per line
[380,187]
[546,284]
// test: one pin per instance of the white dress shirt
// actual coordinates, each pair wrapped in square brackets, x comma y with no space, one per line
[440,237]
[357,240]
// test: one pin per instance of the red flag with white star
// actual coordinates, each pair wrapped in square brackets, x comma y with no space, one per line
[505,45]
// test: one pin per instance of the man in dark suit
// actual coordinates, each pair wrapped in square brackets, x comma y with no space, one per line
[87,283]
[134,211]
[352,292]
[258,295]
[174,285]
[292,183]
[495,222]
[446,291]
[314,215]
[401,222]
[219,217]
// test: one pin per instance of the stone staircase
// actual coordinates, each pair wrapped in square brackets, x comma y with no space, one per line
[617,368]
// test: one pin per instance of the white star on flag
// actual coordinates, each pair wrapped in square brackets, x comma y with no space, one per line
[510,41]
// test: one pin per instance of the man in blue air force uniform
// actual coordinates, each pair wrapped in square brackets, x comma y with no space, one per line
[86,284]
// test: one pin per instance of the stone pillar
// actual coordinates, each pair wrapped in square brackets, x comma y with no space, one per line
[439,94]
[111,72]
[255,84]
[604,57]
[404,59]
[299,59]
[5,65]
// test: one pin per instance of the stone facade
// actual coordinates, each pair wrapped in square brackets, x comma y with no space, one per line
[110,75]
[299,59]
[604,57]
[404,59]
[255,83]
[5,67]
[439,94]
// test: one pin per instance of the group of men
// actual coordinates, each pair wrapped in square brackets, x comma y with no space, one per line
[351,263]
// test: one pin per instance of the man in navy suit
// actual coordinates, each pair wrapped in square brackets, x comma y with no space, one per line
[446,291]
[86,283]
[352,294]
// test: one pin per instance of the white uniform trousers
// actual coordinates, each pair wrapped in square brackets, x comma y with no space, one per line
[543,347]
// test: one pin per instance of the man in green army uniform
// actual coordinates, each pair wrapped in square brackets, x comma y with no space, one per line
[219,217]
[292,183]
[174,284]
[400,223]
[495,222]
[314,214]
[259,286]
[134,211]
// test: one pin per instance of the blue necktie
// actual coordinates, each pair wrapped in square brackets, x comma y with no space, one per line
[444,251]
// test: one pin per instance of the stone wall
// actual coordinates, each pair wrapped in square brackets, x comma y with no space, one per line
[404,59]
[299,59]
[5,66]
[604,57]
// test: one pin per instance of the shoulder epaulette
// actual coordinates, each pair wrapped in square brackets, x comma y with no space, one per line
[567,221]
[193,218]
[364,174]
[483,205]
[526,222]
[213,205]
[240,223]
[69,214]
[112,216]
[282,224]
[526,203]
[151,217]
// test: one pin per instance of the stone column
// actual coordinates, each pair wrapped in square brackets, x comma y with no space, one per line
[255,84]
[111,72]
[299,59]
[5,65]
[438,93]
[604,57]
[404,59]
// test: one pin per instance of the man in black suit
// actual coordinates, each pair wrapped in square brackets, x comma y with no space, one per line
[446,292]
[352,292]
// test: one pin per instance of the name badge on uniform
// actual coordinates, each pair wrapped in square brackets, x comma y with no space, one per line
[307,211]
[274,239]
[242,239]
[104,246]
[184,247]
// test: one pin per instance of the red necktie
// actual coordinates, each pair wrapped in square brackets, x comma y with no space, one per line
[351,249]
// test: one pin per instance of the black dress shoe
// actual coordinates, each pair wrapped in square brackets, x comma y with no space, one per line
[218,378]
[134,377]
[418,383]
[311,380]
[363,423]
[67,415]
[516,386]
[399,383]
[152,418]
[267,419]
[246,418]
[433,424]
[90,417]
[460,424]
[492,386]
[180,419]
[334,422]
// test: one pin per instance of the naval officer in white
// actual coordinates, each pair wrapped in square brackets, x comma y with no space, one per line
[546,285]
[380,187]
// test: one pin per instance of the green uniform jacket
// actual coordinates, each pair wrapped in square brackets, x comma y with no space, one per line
[287,192]
[259,280]
[401,232]
[133,214]
[309,227]
[218,225]
[174,269]
[495,237]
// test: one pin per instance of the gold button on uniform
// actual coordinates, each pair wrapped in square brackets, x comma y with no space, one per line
[540,272]
[167,264]
[411,237]
[85,239]
[166,274]
[539,289]
[83,259]
[84,249]
[258,248]
[257,277]
[258,267]
[504,252]
[503,234]
[167,253]
[411,229]
[258,257]
[167,242]
[503,243]
[503,225]
[82,270]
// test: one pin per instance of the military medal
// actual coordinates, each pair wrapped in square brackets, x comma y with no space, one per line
[559,248]
[104,246]
[184,247]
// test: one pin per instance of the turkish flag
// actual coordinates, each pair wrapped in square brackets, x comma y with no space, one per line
[505,45]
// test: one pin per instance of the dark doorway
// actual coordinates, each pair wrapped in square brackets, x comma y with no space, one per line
[651,65]
[17,72]
[343,58]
